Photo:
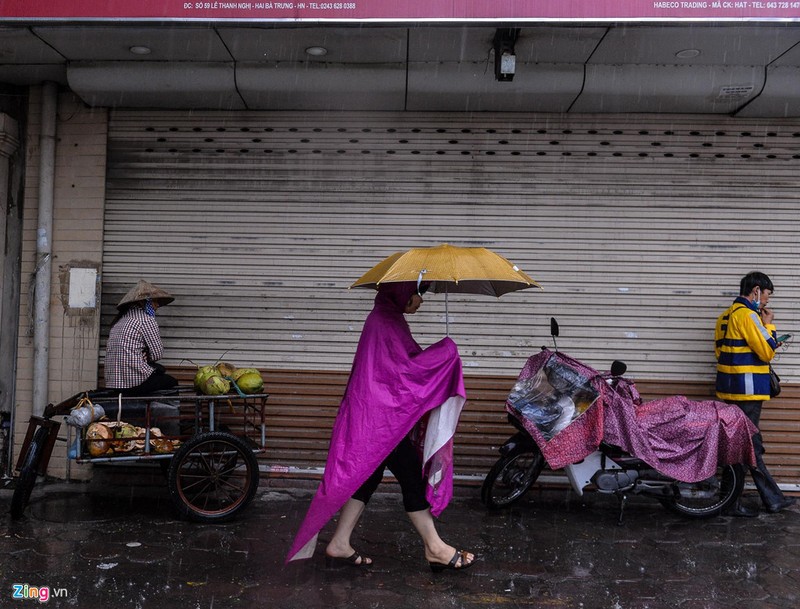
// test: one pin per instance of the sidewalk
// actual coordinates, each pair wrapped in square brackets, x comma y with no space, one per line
[106,546]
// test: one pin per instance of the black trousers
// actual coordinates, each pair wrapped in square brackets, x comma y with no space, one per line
[158,381]
[164,414]
[405,465]
[768,489]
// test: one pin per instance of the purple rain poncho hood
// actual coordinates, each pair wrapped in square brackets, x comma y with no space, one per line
[396,388]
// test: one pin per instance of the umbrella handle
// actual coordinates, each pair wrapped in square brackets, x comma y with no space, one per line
[446,316]
[419,279]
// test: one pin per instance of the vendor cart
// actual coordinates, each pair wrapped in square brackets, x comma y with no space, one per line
[206,444]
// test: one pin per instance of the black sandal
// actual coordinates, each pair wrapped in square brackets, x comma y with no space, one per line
[354,560]
[438,567]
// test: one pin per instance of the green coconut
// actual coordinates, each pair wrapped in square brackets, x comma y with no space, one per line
[126,435]
[126,430]
[250,382]
[203,372]
[225,368]
[240,372]
[215,385]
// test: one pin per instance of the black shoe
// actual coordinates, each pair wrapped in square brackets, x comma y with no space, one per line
[742,511]
[781,505]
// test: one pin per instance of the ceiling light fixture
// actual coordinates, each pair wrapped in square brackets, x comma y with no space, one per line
[505,61]
[687,53]
[316,51]
[139,50]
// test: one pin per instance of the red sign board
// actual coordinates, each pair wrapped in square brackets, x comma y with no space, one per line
[402,10]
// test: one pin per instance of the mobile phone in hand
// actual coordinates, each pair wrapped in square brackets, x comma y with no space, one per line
[783,338]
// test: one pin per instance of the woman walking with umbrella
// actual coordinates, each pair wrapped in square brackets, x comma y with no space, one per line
[400,411]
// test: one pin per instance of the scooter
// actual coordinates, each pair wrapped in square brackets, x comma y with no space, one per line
[552,405]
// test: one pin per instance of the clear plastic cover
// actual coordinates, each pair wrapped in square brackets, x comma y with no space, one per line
[553,397]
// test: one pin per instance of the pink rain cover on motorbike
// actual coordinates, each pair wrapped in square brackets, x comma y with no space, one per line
[395,387]
[676,436]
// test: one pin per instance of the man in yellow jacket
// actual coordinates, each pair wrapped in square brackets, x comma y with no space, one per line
[745,343]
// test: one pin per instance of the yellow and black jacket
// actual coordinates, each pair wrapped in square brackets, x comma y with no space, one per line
[744,347]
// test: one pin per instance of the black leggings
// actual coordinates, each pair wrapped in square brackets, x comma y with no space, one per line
[405,464]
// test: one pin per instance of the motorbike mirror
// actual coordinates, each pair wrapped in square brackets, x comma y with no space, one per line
[618,368]
[553,327]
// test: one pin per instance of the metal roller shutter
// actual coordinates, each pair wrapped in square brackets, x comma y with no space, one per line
[638,227]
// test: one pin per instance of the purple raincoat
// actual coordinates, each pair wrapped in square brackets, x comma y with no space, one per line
[395,387]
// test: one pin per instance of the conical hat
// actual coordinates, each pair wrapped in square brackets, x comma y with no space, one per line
[144,290]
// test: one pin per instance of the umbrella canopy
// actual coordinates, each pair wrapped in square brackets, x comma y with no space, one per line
[450,269]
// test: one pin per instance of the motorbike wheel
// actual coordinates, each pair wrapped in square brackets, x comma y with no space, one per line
[707,498]
[511,477]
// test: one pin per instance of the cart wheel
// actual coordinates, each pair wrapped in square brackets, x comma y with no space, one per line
[212,477]
[27,474]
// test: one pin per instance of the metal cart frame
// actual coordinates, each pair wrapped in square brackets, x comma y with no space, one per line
[213,473]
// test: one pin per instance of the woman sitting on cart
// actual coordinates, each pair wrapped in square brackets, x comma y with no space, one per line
[134,344]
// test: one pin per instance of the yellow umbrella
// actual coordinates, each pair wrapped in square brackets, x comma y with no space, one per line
[450,269]
[471,270]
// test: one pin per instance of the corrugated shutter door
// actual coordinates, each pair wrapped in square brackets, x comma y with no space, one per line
[638,227]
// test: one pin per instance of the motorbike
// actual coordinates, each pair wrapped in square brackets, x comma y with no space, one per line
[596,428]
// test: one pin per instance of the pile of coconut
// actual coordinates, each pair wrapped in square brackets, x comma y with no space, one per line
[106,438]
[216,379]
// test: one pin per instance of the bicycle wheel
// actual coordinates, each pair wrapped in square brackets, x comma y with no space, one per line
[709,497]
[212,477]
[28,473]
[511,477]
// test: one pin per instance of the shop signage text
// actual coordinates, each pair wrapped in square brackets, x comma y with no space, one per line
[404,10]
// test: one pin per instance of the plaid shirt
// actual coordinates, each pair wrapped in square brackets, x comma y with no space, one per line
[133,343]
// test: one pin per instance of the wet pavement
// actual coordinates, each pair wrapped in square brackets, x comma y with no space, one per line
[110,545]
